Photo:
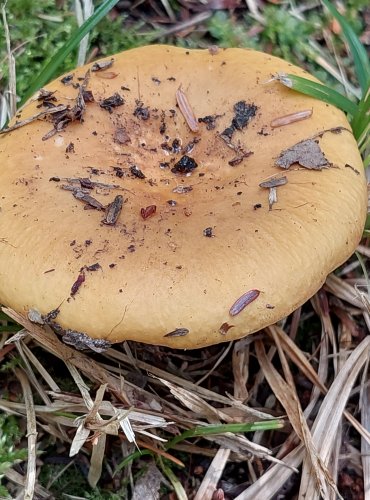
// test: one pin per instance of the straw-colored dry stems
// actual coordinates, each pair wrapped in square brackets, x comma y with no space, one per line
[29,486]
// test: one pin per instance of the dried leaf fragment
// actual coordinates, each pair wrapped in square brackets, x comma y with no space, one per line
[112,102]
[272,197]
[148,211]
[306,153]
[90,201]
[277,181]
[224,328]
[102,65]
[113,211]
[107,75]
[243,301]
[76,285]
[81,341]
[179,332]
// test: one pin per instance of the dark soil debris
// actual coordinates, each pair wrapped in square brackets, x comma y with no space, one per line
[208,232]
[243,114]
[47,98]
[112,102]
[136,172]
[118,171]
[66,114]
[88,96]
[93,267]
[185,165]
[210,121]
[141,111]
[66,80]
[70,148]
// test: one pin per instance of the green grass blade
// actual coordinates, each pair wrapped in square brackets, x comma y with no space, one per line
[209,430]
[361,120]
[318,91]
[130,458]
[50,68]
[358,52]
[177,486]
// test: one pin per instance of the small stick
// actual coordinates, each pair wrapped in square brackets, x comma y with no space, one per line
[291,118]
[33,118]
[186,110]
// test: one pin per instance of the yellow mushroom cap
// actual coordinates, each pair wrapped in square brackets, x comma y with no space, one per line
[198,254]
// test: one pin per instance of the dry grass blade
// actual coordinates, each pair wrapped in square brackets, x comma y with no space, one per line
[286,393]
[216,364]
[213,474]
[250,414]
[97,457]
[196,404]
[79,439]
[31,375]
[83,12]
[296,355]
[17,478]
[268,484]
[29,485]
[331,411]
[40,368]
[12,101]
[343,290]
[87,365]
[365,446]
[33,118]
[240,369]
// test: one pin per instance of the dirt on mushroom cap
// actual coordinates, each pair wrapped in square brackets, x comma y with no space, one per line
[168,277]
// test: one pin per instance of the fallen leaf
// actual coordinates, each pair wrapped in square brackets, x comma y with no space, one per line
[306,153]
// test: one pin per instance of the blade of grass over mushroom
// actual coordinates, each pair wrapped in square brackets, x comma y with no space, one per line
[358,52]
[51,67]
[360,122]
[318,91]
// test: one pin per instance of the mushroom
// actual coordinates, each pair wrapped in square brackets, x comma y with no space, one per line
[134,224]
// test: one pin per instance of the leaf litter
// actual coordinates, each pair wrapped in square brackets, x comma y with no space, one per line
[177,401]
[306,153]
[133,410]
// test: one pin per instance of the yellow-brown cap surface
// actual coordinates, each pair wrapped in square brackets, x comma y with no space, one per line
[196,231]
